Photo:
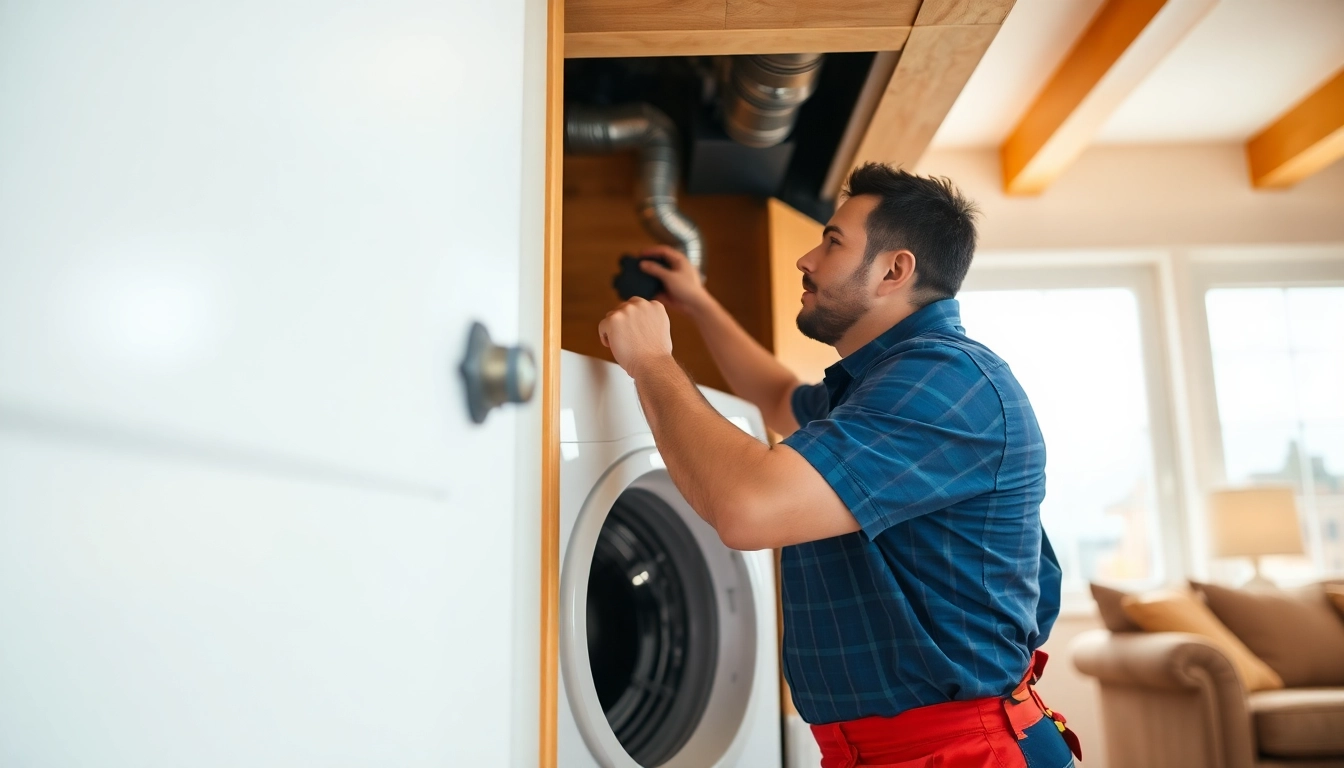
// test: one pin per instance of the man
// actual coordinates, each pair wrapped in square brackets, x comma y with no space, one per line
[917,581]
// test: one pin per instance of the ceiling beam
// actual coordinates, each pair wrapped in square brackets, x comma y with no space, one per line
[1119,48]
[1302,141]
[933,68]
[606,28]
[933,12]
[716,42]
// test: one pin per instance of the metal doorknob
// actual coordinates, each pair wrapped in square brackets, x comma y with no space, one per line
[495,375]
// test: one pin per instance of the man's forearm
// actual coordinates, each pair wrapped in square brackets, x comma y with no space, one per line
[751,371]
[708,457]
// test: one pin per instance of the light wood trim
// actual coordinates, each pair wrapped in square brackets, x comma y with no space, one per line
[1119,48]
[550,386]
[934,66]
[934,12]
[874,85]
[699,15]
[716,42]
[1302,141]
[637,15]
[755,14]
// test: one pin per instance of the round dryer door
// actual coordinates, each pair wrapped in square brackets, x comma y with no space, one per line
[658,634]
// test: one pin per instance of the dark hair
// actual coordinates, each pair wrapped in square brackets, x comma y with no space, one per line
[924,215]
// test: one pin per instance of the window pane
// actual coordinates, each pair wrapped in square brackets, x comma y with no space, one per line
[1246,319]
[1278,367]
[1316,318]
[1254,386]
[1078,353]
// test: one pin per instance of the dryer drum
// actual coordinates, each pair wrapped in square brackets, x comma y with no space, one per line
[652,625]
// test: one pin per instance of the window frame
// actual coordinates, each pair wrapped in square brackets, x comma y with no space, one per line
[1285,266]
[1144,274]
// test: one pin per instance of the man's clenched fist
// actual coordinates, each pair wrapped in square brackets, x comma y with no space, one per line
[637,332]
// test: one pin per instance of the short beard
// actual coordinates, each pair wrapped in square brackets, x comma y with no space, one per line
[828,321]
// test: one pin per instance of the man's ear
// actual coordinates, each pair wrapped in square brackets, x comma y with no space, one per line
[899,272]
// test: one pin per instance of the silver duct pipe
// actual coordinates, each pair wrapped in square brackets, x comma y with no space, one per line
[762,95]
[599,130]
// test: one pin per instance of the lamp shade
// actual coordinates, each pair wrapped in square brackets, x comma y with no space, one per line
[1249,522]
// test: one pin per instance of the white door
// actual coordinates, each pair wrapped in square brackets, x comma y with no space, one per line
[244,518]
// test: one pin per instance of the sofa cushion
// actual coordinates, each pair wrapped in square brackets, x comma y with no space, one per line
[1296,632]
[1185,612]
[1113,615]
[1299,722]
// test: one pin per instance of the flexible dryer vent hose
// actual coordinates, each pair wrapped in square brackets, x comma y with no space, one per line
[642,127]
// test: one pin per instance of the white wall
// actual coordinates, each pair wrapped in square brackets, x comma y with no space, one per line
[1126,197]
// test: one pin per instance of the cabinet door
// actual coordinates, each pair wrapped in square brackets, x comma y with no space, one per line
[260,228]
[161,613]
[244,518]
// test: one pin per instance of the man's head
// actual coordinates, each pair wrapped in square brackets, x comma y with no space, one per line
[898,242]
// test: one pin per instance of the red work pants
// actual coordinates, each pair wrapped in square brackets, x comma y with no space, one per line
[958,734]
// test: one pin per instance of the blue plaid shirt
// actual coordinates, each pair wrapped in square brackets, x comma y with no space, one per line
[951,584]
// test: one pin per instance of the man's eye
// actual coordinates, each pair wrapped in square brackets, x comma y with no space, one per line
[834,241]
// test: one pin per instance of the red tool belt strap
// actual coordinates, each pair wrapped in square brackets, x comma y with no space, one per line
[957,733]
[1025,708]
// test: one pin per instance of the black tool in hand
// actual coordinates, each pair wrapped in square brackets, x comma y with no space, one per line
[632,281]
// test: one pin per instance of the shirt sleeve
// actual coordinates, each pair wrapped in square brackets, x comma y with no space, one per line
[810,402]
[923,430]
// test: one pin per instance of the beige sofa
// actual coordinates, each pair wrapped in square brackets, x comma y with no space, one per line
[1175,699]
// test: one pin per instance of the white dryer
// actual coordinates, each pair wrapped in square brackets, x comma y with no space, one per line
[667,637]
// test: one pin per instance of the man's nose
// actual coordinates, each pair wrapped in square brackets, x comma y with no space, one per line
[804,263]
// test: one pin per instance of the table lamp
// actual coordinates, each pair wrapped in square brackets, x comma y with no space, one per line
[1253,522]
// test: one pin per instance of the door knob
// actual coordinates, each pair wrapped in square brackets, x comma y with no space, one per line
[495,375]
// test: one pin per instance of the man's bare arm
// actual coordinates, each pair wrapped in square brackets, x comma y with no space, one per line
[754,495]
[751,371]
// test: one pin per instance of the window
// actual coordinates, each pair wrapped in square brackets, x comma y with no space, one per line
[1080,353]
[1278,372]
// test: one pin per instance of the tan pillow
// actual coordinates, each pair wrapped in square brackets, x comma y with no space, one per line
[1183,612]
[1112,613]
[1296,632]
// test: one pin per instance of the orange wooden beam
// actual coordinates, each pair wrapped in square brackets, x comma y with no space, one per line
[1304,140]
[1119,48]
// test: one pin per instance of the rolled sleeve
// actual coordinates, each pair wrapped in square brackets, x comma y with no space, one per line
[907,444]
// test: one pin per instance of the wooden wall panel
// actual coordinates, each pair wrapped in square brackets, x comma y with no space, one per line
[600,224]
[793,234]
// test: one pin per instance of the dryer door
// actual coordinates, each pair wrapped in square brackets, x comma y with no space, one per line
[659,633]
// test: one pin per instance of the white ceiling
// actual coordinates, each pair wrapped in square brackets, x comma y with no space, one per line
[1241,67]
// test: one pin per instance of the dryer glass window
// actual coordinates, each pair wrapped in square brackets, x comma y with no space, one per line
[652,627]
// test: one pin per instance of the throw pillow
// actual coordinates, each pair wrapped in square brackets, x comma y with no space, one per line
[1183,612]
[1296,632]
[1112,613]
